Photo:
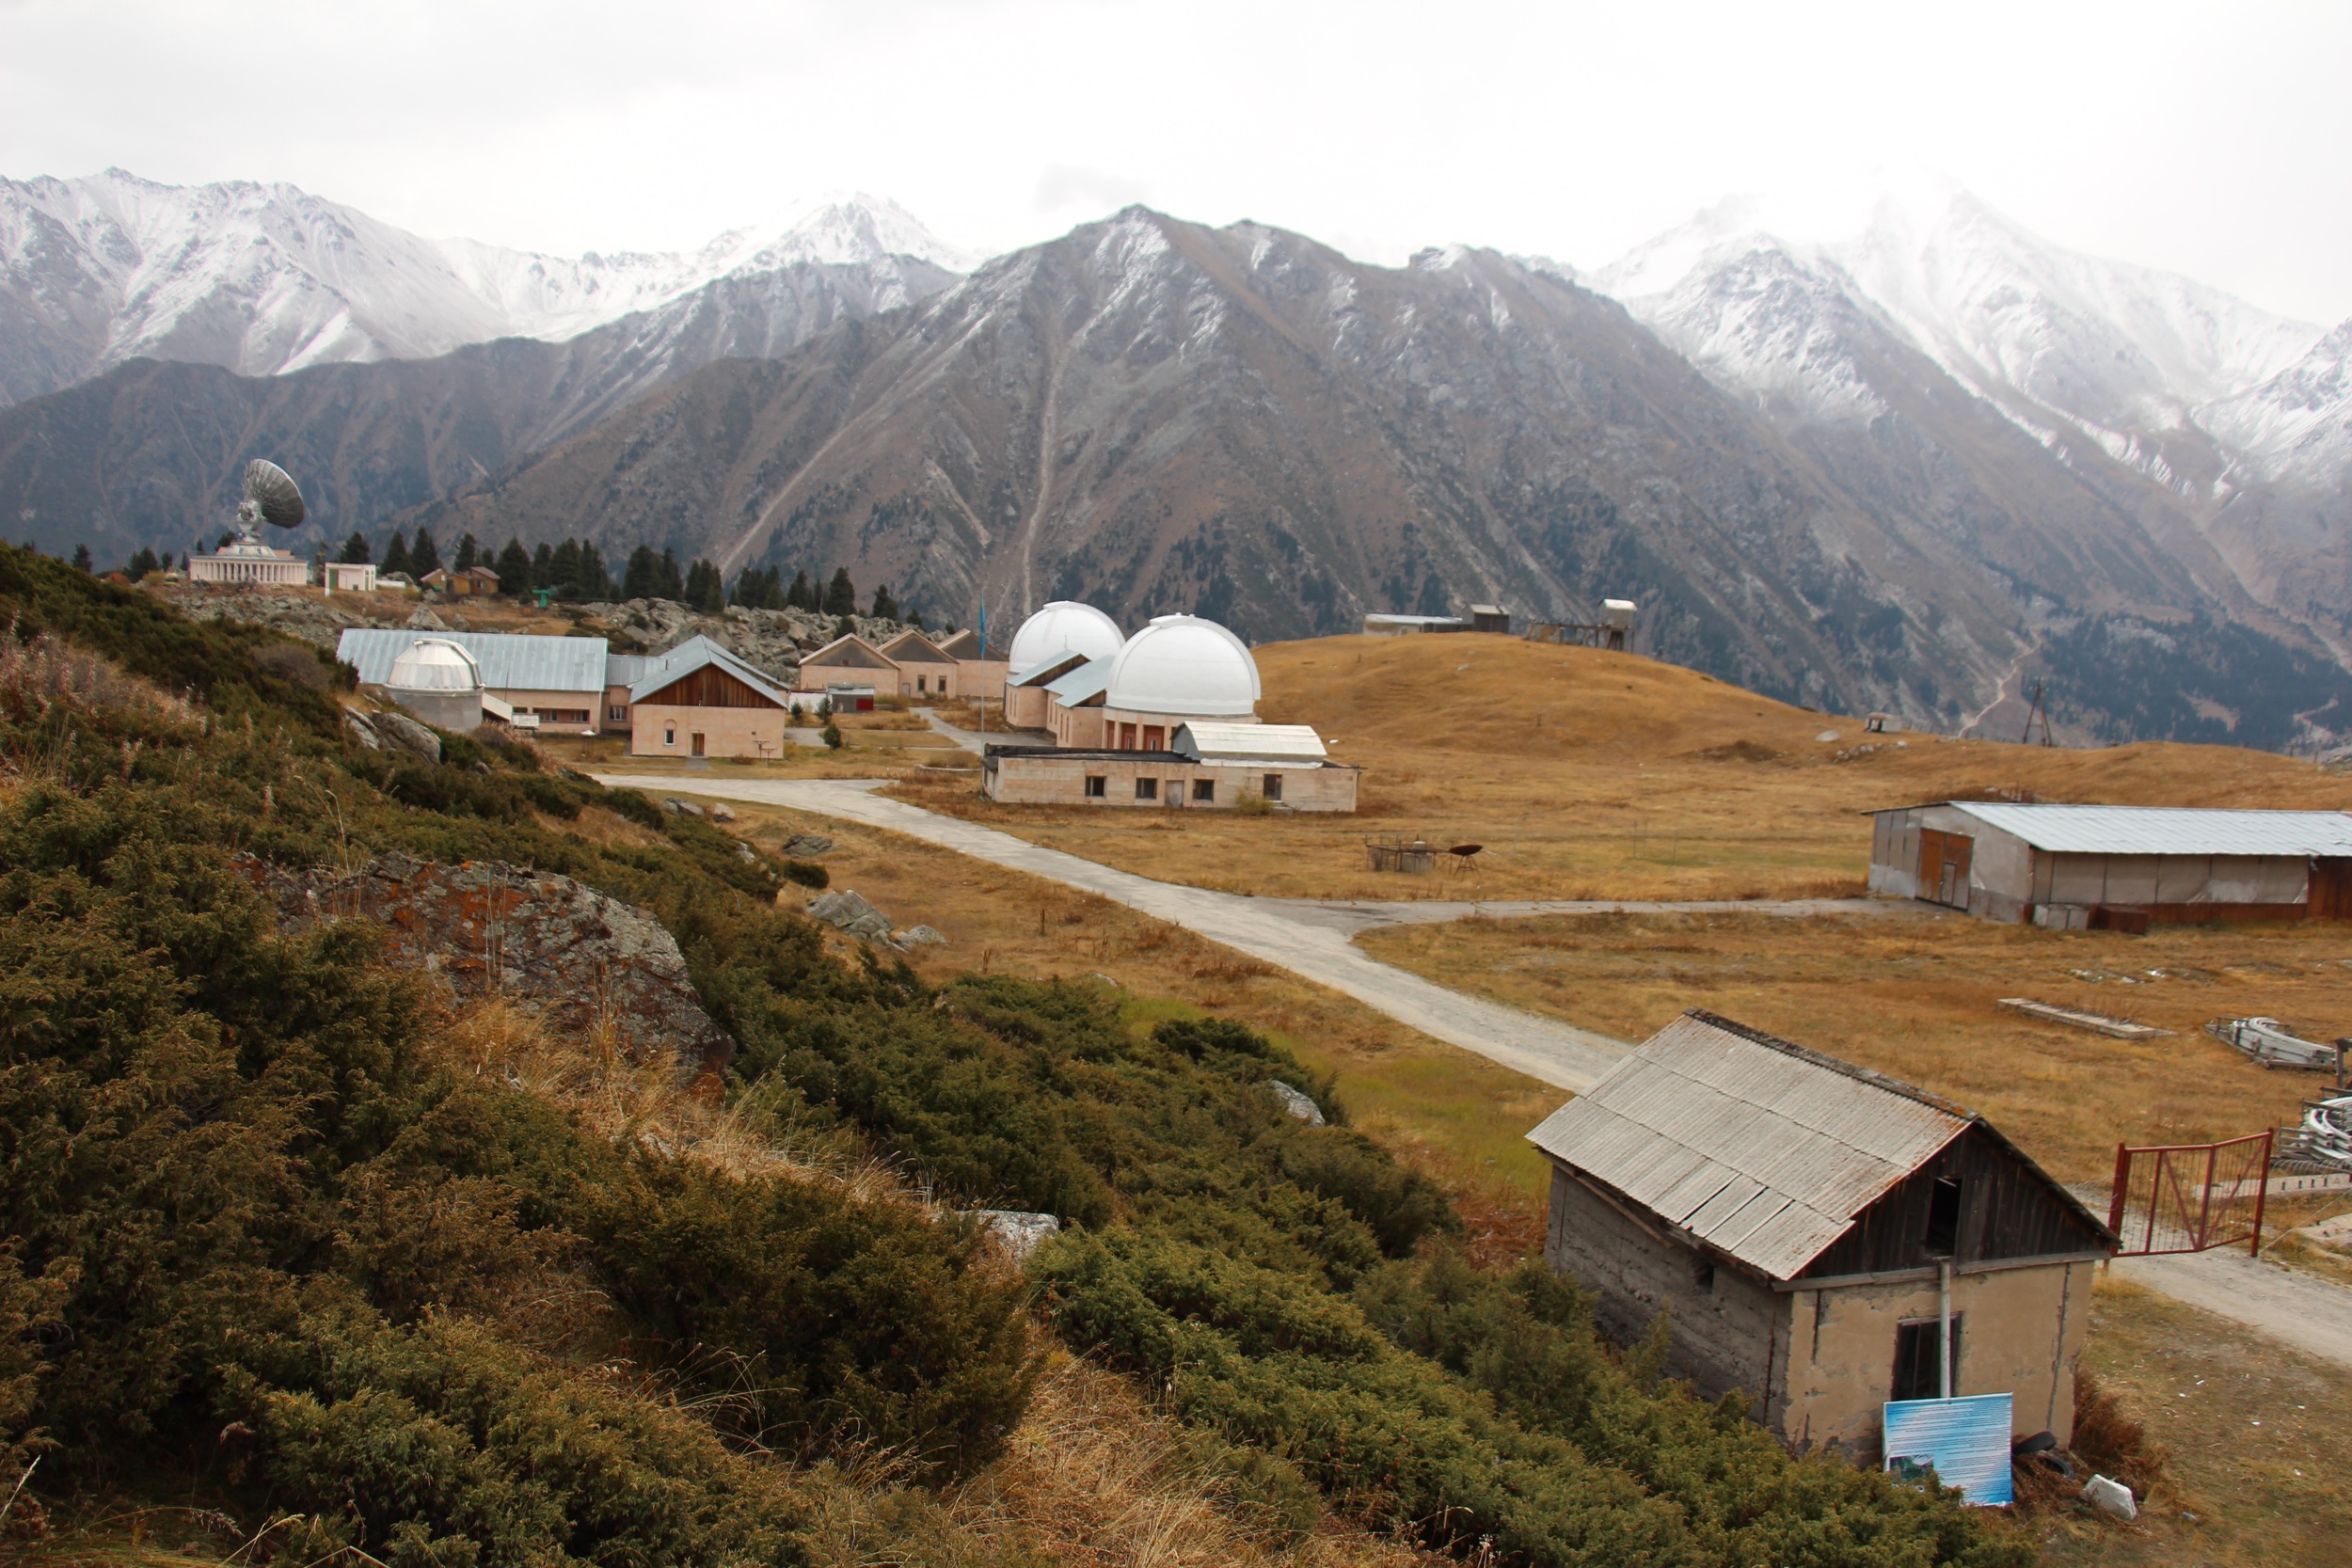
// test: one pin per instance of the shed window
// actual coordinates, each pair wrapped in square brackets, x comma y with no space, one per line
[1204,789]
[1915,1359]
[1094,785]
[1147,790]
[1272,790]
[1943,1237]
[618,714]
[669,735]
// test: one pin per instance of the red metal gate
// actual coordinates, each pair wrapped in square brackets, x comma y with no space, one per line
[2190,1197]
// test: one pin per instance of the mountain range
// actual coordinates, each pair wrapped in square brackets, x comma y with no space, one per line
[1908,465]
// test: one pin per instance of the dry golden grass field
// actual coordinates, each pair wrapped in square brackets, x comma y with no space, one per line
[1591,774]
[1912,993]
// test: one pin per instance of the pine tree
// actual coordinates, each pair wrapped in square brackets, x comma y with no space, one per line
[564,570]
[643,577]
[886,608]
[468,553]
[81,558]
[799,595]
[594,583]
[396,557]
[514,569]
[354,549]
[840,594]
[673,586]
[424,556]
[704,590]
[141,564]
[844,627]
[164,559]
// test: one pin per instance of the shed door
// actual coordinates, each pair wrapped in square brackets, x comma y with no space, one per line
[2332,889]
[1944,866]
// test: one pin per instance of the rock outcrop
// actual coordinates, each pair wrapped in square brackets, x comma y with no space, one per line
[596,969]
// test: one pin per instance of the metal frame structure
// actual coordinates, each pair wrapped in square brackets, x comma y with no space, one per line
[2189,1197]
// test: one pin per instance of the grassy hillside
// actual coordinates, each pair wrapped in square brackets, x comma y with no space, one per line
[299,1251]
[1598,775]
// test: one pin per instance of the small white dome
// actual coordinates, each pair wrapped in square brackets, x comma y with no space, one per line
[435,664]
[1184,664]
[1063,626]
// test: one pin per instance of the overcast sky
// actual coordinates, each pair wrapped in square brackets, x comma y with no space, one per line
[2207,138]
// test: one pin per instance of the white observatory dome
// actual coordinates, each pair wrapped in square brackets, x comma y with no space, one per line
[1184,664]
[434,664]
[1063,626]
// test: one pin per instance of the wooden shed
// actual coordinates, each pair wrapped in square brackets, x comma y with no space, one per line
[1801,1221]
[2073,866]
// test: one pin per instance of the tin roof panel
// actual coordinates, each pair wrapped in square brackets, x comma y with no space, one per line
[509,660]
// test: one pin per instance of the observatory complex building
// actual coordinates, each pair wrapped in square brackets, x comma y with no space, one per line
[1164,719]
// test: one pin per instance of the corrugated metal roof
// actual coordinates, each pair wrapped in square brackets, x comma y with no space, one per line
[508,660]
[1050,669]
[2167,830]
[1087,682]
[1761,1149]
[1212,741]
[692,654]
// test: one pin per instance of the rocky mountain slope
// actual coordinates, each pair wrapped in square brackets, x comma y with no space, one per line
[1160,415]
[261,279]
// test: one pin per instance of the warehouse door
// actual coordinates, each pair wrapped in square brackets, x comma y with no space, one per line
[1944,866]
[2332,889]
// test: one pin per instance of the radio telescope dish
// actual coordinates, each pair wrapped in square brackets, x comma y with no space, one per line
[271,496]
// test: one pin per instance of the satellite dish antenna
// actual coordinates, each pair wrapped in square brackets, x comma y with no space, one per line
[271,496]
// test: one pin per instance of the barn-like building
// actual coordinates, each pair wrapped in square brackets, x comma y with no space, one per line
[2072,866]
[1799,1219]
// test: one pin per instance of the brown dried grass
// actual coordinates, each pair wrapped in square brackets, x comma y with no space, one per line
[45,671]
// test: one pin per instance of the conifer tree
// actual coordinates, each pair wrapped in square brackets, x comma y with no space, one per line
[642,577]
[840,594]
[593,582]
[514,569]
[468,553]
[886,608]
[563,569]
[81,558]
[354,549]
[141,564]
[424,556]
[704,590]
[396,557]
[800,595]
[673,585]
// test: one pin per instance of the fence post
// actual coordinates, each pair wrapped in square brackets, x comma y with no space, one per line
[2261,1191]
[2122,1175]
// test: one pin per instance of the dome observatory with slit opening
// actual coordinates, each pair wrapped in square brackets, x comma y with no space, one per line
[1185,665]
[1064,626]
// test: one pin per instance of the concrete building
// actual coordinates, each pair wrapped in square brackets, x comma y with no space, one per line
[559,682]
[849,658]
[472,582]
[925,669]
[698,699]
[1403,625]
[1490,617]
[2071,866]
[1177,669]
[249,563]
[349,576]
[1205,767]
[1802,1223]
[438,681]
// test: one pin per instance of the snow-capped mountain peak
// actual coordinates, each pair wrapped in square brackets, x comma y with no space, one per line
[267,278]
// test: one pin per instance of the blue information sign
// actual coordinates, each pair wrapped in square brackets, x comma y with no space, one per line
[1964,1441]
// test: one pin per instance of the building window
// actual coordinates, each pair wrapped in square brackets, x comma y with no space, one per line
[1204,789]
[922,684]
[1943,1237]
[1272,790]
[1915,1359]
[619,714]
[1126,737]
[1154,737]
[1096,783]
[669,735]
[1147,790]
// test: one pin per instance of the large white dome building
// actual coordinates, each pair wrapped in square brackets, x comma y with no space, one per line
[1064,626]
[1183,665]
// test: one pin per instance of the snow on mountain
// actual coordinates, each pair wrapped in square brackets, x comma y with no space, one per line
[268,278]
[2126,355]
[2297,425]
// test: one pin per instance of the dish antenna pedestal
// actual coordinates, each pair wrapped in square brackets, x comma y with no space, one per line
[271,496]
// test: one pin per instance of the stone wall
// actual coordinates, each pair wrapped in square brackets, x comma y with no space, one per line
[598,970]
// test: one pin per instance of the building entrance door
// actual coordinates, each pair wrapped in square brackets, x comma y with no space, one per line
[2332,889]
[698,743]
[1943,860]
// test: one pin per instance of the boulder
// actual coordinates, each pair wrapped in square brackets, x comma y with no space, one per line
[423,619]
[681,808]
[1298,1104]
[807,846]
[409,735]
[919,936]
[2111,1498]
[361,731]
[1019,1232]
[849,912]
[591,964]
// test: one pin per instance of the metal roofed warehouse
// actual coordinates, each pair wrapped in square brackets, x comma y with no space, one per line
[1799,1220]
[2071,866]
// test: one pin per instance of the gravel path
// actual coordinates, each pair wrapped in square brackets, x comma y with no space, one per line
[1277,931]
[2311,1315]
